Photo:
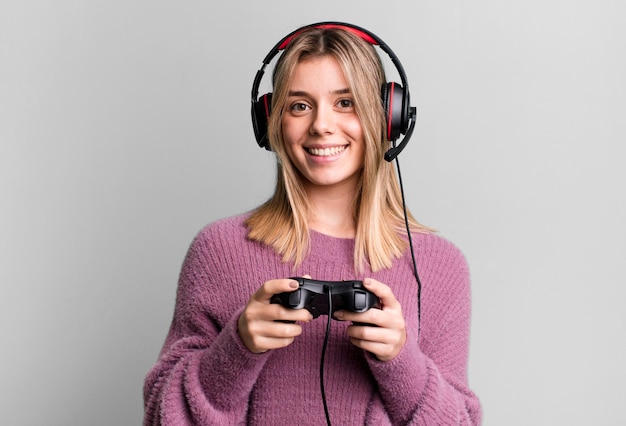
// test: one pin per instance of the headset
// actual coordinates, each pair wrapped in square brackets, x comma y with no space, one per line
[400,116]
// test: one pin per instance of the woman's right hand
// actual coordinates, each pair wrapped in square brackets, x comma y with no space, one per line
[264,325]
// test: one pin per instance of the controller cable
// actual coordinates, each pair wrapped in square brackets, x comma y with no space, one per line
[330,312]
[408,233]
[330,297]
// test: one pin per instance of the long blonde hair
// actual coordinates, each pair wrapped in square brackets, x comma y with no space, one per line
[281,222]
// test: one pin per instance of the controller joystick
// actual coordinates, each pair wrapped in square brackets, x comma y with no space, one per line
[313,295]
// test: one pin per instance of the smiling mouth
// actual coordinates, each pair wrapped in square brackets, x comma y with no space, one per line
[326,152]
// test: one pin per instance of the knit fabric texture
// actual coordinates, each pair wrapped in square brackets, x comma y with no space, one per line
[206,376]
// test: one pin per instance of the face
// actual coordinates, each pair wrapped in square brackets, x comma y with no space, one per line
[323,135]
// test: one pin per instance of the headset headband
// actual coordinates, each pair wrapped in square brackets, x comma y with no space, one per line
[364,34]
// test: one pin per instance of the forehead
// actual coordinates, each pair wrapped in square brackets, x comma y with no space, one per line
[318,71]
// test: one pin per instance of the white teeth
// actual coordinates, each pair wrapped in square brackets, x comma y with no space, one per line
[326,152]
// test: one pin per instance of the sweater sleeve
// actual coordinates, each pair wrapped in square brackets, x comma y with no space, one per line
[204,374]
[426,384]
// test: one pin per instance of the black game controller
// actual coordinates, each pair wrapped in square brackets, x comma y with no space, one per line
[313,295]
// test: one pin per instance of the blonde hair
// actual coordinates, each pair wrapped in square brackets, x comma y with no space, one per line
[281,222]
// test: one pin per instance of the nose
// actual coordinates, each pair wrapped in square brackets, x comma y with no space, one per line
[323,121]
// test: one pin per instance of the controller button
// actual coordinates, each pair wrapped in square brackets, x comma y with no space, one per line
[360,300]
[294,298]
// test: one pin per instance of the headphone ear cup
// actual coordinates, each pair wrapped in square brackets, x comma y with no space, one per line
[260,115]
[396,105]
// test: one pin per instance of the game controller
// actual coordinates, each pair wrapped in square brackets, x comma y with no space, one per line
[313,295]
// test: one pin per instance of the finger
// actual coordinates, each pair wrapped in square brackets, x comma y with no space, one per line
[275,330]
[272,287]
[382,351]
[259,332]
[371,317]
[262,311]
[271,336]
[385,344]
[383,291]
[375,334]
[282,314]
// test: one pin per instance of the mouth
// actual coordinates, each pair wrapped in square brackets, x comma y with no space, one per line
[326,152]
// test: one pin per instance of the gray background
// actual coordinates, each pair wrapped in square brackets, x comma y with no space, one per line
[125,128]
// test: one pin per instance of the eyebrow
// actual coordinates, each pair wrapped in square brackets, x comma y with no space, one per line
[303,93]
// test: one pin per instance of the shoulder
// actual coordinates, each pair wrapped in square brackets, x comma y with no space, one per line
[221,237]
[439,254]
[233,227]
[435,245]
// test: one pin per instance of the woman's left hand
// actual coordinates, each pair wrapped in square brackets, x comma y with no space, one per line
[386,338]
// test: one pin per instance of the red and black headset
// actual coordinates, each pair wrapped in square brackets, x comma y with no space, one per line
[395,97]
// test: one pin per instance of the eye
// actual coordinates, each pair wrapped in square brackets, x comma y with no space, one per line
[345,103]
[299,107]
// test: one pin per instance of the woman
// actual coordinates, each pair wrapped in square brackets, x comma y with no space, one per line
[233,357]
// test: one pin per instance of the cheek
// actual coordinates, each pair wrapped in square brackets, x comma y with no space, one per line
[354,128]
[290,132]
[289,139]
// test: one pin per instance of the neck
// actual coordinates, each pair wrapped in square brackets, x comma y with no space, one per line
[332,211]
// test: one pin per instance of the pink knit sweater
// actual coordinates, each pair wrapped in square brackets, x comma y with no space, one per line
[206,376]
